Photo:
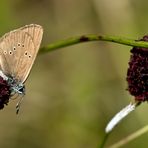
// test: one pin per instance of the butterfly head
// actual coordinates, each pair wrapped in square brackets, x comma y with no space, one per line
[16,86]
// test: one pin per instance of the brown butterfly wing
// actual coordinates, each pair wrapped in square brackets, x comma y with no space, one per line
[36,32]
[18,50]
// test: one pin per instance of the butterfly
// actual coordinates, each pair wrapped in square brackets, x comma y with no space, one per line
[18,50]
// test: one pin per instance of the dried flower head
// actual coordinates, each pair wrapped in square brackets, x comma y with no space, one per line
[4,92]
[137,73]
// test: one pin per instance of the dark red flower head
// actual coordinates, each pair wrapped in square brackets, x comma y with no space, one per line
[4,92]
[137,73]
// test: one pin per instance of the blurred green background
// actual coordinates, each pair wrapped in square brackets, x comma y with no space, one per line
[73,92]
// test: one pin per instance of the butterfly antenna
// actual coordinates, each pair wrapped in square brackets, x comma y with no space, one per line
[19,104]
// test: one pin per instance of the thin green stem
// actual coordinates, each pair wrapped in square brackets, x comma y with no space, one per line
[93,37]
[102,145]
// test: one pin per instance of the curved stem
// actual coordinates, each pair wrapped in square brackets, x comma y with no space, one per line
[104,140]
[93,37]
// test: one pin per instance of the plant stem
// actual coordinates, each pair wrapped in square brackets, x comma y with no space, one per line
[93,37]
[104,140]
[131,137]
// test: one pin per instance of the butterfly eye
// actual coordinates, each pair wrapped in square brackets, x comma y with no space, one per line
[29,56]
[22,45]
[18,44]
[5,52]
